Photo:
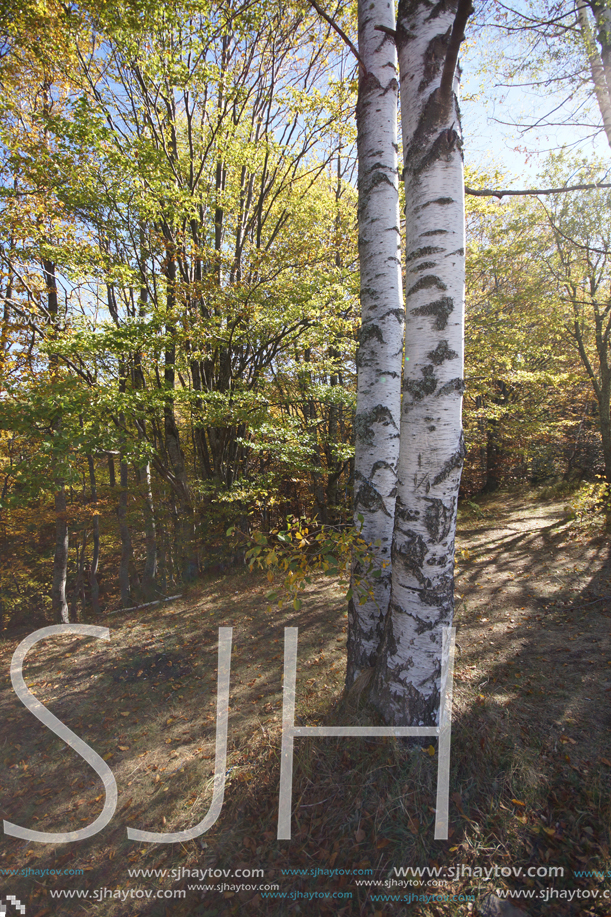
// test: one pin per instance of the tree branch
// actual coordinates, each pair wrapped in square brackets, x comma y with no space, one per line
[340,32]
[465,9]
[485,192]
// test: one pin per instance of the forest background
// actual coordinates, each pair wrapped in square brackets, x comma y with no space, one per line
[180,300]
[179,349]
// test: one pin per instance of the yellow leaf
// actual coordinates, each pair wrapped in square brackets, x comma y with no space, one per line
[518,803]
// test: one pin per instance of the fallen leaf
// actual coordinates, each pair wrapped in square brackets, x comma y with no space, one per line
[518,803]
[359,835]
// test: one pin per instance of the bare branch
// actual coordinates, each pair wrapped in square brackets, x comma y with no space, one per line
[485,192]
[340,32]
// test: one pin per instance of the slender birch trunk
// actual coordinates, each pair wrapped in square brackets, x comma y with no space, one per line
[406,686]
[600,64]
[59,604]
[150,566]
[95,557]
[380,351]
[61,612]
[79,584]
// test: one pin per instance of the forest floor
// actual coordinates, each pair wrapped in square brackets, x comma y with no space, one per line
[530,776]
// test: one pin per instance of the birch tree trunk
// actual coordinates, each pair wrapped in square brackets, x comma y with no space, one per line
[95,557]
[380,351]
[61,612]
[59,604]
[600,64]
[150,565]
[406,685]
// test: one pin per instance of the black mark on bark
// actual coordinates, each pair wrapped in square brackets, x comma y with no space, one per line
[399,314]
[419,390]
[369,498]
[440,595]
[411,553]
[426,283]
[434,56]
[424,252]
[367,332]
[439,200]
[404,514]
[441,309]
[363,423]
[438,518]
[453,463]
[454,385]
[379,465]
[368,85]
[379,178]
[442,352]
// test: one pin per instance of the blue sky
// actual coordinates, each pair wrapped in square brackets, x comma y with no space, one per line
[491,114]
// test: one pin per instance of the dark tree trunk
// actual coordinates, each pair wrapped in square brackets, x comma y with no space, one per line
[494,454]
[112,478]
[126,540]
[605,426]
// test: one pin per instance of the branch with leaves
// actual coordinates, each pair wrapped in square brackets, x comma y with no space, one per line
[291,556]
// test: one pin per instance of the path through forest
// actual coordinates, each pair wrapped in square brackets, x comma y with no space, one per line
[531,755]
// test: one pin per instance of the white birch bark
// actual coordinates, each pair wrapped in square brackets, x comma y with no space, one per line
[380,351]
[61,612]
[601,74]
[406,685]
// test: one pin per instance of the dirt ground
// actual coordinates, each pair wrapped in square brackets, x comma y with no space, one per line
[531,752]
